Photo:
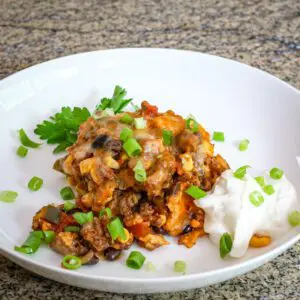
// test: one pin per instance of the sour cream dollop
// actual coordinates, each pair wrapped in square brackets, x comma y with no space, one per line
[228,209]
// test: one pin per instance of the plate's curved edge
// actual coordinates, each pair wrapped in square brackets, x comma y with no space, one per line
[141,49]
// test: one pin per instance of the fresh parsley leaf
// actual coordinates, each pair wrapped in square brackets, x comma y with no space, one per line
[117,103]
[62,128]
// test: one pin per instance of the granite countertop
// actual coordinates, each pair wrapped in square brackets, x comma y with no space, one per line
[264,34]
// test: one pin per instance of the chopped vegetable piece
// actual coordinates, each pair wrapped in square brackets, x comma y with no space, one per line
[126,119]
[150,267]
[26,141]
[32,244]
[179,266]
[106,211]
[67,193]
[256,198]
[294,218]
[49,236]
[135,260]
[8,196]
[22,151]
[134,106]
[52,214]
[140,123]
[117,103]
[243,146]
[260,180]
[269,189]
[63,127]
[167,137]
[132,147]
[241,172]
[218,136]
[71,262]
[116,229]
[72,229]
[192,125]
[195,192]
[83,218]
[276,173]
[140,172]
[126,133]
[35,183]
[225,244]
[68,205]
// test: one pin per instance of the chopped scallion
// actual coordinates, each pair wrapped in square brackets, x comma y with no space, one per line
[218,136]
[135,260]
[167,137]
[276,173]
[126,119]
[179,266]
[83,218]
[49,236]
[132,147]
[140,123]
[71,262]
[22,151]
[192,125]
[35,183]
[126,133]
[256,198]
[241,172]
[72,229]
[26,141]
[106,211]
[8,196]
[294,218]
[225,244]
[195,192]
[269,189]
[67,193]
[68,205]
[116,229]
[260,180]
[140,174]
[243,146]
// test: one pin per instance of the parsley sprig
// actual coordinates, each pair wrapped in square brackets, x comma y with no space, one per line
[117,103]
[62,128]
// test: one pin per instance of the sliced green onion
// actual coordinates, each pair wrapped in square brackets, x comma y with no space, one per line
[218,136]
[179,266]
[32,243]
[22,151]
[135,260]
[71,262]
[140,123]
[243,146]
[68,205]
[192,125]
[132,147]
[106,211]
[126,119]
[126,133]
[195,192]
[83,218]
[35,183]
[67,193]
[294,218]
[116,229]
[8,196]
[256,198]
[269,189]
[167,137]
[276,173]
[140,174]
[26,141]
[49,236]
[150,267]
[260,180]
[241,172]
[72,229]
[225,244]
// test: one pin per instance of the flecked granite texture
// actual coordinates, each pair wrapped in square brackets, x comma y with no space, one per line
[264,34]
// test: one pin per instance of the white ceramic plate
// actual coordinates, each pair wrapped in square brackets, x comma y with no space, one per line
[223,95]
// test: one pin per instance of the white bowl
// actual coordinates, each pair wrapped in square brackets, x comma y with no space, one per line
[222,94]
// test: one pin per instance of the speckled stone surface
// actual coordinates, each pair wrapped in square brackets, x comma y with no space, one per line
[264,34]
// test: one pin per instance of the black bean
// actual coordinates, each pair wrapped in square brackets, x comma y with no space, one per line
[112,253]
[159,230]
[187,229]
[100,141]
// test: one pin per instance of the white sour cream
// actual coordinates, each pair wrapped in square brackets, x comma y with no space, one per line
[228,209]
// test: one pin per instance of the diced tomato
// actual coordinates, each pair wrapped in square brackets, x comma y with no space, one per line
[140,230]
[150,110]
[65,220]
